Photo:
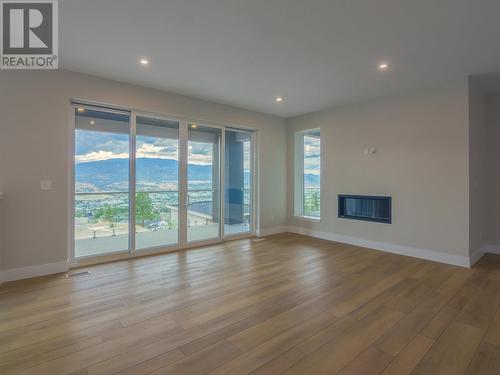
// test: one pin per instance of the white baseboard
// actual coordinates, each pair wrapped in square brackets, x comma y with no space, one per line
[488,248]
[492,249]
[59,267]
[33,271]
[457,260]
[478,254]
[270,231]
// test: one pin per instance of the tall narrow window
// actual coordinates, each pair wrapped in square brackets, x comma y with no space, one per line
[308,174]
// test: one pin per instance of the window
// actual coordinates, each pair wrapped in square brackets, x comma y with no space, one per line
[144,182]
[308,174]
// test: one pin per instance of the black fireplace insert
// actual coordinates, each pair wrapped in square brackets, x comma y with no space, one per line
[366,207]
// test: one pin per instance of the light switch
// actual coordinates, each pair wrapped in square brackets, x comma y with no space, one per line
[46,185]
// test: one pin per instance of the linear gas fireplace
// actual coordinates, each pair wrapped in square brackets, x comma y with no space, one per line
[364,207]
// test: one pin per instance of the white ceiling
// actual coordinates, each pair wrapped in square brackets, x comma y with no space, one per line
[314,53]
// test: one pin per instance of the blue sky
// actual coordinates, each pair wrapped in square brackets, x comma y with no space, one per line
[312,152]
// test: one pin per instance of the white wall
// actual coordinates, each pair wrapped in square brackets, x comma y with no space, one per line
[493,171]
[421,161]
[477,167]
[34,145]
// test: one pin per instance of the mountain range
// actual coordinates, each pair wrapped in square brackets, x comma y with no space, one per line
[112,174]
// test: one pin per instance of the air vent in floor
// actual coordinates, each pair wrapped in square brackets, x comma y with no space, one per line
[78,274]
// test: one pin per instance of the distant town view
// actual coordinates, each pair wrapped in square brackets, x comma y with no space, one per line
[102,199]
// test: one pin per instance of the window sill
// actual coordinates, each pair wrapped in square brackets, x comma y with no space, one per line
[308,218]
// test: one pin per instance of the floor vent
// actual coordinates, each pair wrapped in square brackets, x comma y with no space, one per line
[78,274]
[259,239]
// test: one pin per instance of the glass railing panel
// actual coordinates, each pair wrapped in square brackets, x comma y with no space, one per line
[101,223]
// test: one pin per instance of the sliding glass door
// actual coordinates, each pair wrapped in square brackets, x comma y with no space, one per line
[174,181]
[238,182]
[203,185]
[157,183]
[101,170]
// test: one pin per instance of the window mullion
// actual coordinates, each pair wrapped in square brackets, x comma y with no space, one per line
[132,182]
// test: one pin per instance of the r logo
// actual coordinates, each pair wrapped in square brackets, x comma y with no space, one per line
[29,34]
[27,28]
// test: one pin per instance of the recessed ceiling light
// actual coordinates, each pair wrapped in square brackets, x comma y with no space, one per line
[383,66]
[144,62]
[194,126]
[80,110]
[92,122]
[279,99]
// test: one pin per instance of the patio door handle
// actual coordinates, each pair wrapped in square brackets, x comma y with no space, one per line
[188,200]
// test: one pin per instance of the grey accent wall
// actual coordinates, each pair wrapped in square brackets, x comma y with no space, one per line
[421,160]
[35,145]
[492,221]
[477,166]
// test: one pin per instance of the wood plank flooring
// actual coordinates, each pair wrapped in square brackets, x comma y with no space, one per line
[289,304]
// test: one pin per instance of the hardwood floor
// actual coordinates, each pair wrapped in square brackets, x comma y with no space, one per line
[288,304]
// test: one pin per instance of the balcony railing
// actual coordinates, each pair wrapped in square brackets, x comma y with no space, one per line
[102,219]
[157,206]
[196,195]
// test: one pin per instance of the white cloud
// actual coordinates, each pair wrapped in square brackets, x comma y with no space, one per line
[199,153]
[98,156]
[148,150]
